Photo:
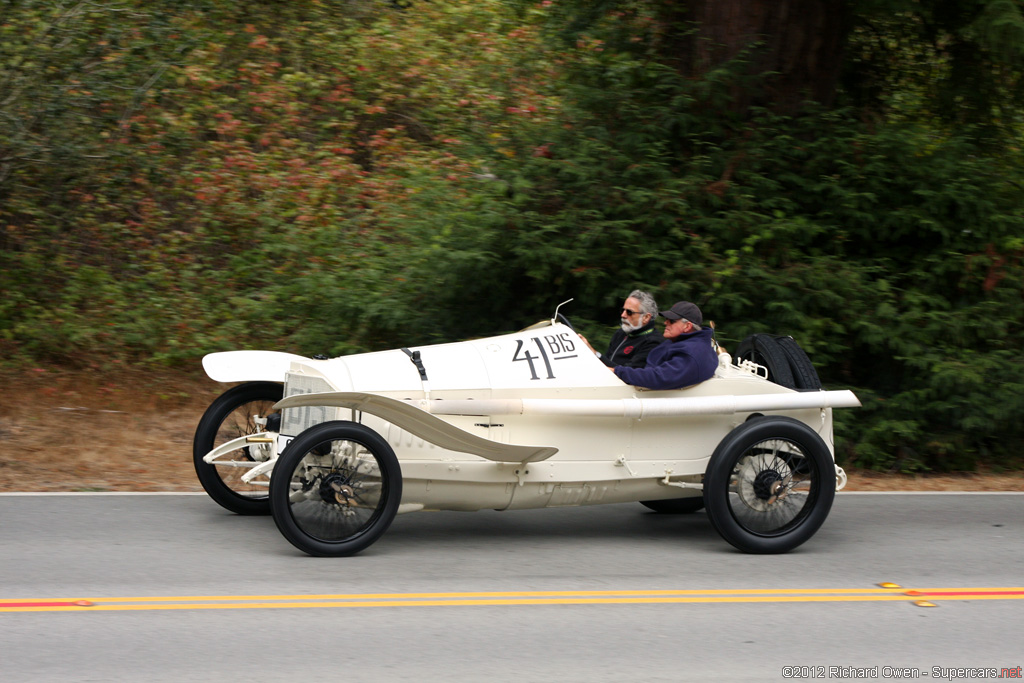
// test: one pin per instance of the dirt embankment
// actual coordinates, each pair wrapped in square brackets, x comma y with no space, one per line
[124,430]
[128,430]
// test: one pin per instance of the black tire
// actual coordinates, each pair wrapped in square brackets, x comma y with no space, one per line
[769,485]
[229,417]
[763,349]
[675,506]
[336,489]
[805,377]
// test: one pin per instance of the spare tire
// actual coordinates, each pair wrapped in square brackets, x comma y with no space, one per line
[805,377]
[765,351]
[787,364]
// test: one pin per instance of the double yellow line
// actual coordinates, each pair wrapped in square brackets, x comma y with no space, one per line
[884,593]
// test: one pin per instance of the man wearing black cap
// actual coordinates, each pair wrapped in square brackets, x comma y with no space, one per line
[686,358]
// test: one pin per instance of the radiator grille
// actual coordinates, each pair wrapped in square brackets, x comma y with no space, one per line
[296,420]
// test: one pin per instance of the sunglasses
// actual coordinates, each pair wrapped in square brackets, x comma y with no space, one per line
[629,312]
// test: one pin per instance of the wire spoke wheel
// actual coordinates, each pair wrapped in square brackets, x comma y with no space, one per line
[231,415]
[771,488]
[338,495]
[770,485]
[336,489]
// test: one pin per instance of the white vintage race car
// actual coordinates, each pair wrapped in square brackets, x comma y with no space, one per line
[335,448]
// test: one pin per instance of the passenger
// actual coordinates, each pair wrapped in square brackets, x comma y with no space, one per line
[631,344]
[686,358]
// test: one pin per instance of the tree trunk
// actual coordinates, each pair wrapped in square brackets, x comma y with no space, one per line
[796,44]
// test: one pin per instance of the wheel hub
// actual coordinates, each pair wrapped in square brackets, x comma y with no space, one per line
[335,489]
[766,484]
[761,484]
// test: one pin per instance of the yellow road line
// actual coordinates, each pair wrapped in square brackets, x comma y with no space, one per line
[756,595]
[502,594]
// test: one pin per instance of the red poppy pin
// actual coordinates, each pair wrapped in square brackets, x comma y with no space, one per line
[628,350]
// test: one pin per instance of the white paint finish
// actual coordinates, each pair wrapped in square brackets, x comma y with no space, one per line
[250,366]
[533,419]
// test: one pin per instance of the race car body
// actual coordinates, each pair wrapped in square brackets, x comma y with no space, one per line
[524,420]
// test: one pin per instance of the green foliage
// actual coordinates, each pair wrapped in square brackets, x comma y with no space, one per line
[335,177]
[260,167]
[892,254]
[952,62]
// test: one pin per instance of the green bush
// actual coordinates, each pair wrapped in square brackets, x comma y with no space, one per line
[338,177]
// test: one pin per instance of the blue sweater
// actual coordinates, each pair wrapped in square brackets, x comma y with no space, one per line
[676,363]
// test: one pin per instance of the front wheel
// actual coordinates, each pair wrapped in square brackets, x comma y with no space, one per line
[336,489]
[769,485]
[230,416]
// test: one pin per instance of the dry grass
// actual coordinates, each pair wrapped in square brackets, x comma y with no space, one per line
[127,430]
[966,481]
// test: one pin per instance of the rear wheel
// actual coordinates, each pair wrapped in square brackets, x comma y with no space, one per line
[230,416]
[336,489]
[769,485]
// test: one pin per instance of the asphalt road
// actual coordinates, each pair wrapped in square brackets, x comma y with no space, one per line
[180,590]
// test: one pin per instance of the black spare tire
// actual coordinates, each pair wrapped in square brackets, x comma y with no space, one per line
[787,364]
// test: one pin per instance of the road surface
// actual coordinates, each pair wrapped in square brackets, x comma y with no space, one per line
[97,587]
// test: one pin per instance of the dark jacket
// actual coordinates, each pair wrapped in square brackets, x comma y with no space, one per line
[680,362]
[631,349]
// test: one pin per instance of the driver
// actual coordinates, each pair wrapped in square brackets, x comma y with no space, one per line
[636,337]
[686,357]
